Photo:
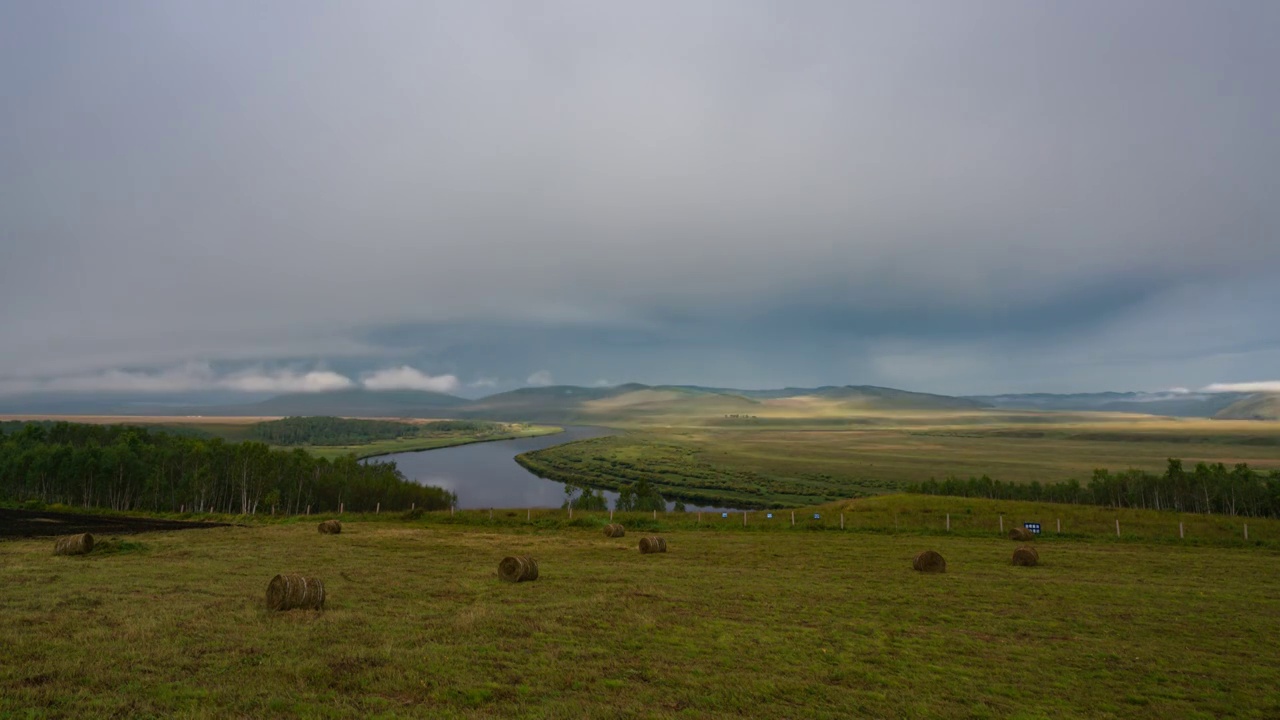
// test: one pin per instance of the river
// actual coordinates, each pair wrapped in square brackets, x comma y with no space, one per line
[486,475]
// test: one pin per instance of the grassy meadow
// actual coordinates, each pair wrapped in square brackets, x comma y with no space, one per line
[413,444]
[768,622]
[803,461]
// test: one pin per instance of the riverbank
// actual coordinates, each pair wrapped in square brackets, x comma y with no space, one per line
[403,445]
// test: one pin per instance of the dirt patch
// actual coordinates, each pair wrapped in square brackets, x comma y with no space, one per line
[38,523]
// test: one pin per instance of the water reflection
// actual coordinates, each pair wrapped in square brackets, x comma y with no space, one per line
[486,475]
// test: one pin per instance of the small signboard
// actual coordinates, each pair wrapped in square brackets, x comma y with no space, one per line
[769,515]
[724,514]
[816,516]
[1033,527]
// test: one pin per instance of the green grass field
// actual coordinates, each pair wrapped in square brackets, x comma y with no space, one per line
[769,622]
[387,447]
[809,464]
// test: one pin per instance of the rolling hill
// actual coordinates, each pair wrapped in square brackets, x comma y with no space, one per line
[358,403]
[1262,406]
[1173,404]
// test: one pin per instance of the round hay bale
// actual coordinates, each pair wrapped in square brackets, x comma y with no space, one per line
[74,545]
[929,561]
[1026,556]
[518,568]
[652,544]
[330,527]
[291,591]
[614,530]
[1021,534]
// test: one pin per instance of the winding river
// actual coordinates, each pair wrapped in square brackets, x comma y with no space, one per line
[486,475]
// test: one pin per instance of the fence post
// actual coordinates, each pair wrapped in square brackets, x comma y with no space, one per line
[570,512]
[1181,535]
[341,507]
[655,513]
[413,506]
[491,513]
[308,509]
[841,521]
[1246,531]
[744,524]
[1001,523]
[376,511]
[450,511]
[528,515]
[1117,527]
[1059,526]
[699,517]
[793,518]
[948,522]
[610,516]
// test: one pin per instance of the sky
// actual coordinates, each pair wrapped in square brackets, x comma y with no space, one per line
[962,198]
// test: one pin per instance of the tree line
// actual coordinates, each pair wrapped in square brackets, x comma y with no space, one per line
[125,467]
[638,496]
[328,431]
[322,430]
[1207,488]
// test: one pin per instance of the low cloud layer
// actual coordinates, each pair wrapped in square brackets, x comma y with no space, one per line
[407,378]
[196,377]
[541,378]
[1268,386]
[957,197]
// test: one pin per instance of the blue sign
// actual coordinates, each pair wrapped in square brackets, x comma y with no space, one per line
[769,515]
[724,514]
[816,516]
[1033,527]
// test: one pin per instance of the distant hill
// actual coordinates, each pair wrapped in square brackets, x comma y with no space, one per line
[1262,406]
[567,403]
[1167,403]
[359,403]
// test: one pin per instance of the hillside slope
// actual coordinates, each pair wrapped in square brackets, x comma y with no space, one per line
[1262,406]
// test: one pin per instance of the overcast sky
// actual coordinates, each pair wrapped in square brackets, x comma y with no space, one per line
[958,197]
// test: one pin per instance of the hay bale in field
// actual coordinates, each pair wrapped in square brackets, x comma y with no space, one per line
[291,591]
[614,530]
[652,544]
[74,545]
[929,561]
[518,568]
[1026,556]
[1021,534]
[330,527]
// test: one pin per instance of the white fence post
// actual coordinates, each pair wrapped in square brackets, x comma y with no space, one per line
[1059,526]
[341,506]
[376,511]
[948,522]
[793,518]
[308,509]
[655,513]
[744,523]
[610,516]
[1181,534]
[528,515]
[570,512]
[1117,527]
[1001,523]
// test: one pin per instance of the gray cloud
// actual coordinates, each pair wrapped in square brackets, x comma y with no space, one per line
[952,197]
